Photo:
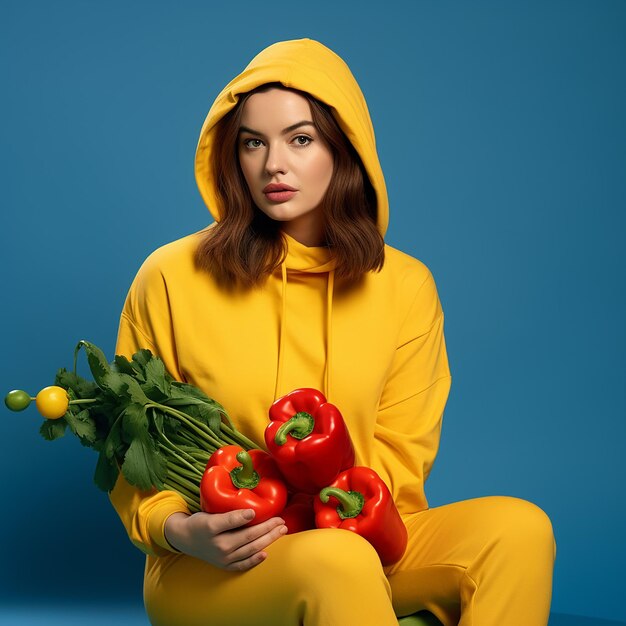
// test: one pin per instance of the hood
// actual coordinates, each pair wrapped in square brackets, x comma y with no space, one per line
[307,65]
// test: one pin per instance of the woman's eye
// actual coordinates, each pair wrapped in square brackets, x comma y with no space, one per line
[306,142]
[247,142]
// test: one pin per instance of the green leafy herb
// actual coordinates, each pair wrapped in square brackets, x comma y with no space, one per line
[156,430]
[53,429]
[82,425]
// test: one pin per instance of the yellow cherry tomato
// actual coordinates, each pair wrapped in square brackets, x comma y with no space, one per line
[52,402]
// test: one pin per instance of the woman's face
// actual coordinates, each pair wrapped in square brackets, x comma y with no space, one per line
[279,145]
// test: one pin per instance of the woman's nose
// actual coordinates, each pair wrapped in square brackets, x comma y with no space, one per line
[276,160]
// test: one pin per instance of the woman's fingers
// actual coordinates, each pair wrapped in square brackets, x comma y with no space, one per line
[221,522]
[252,553]
[252,550]
[222,539]
[232,540]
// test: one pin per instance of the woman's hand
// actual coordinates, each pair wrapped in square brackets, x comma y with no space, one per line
[219,539]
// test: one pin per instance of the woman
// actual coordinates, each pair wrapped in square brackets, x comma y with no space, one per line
[292,286]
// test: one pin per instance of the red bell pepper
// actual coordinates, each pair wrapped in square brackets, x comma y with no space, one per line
[299,514]
[308,439]
[358,500]
[236,479]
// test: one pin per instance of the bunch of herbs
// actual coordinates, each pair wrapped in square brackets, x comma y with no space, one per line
[159,432]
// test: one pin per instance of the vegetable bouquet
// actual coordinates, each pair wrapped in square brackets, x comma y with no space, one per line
[159,432]
[164,434]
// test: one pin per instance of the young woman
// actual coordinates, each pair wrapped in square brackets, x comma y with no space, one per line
[293,286]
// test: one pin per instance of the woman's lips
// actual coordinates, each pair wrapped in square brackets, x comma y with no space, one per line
[280,196]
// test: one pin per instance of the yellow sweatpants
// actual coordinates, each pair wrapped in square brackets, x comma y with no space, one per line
[480,562]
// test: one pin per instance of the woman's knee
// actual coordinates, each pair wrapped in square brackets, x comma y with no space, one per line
[523,523]
[332,576]
[328,554]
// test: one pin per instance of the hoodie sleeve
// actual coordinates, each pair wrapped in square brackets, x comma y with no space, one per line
[412,403]
[144,513]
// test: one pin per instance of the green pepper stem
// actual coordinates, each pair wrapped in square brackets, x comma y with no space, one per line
[245,476]
[350,502]
[84,401]
[299,426]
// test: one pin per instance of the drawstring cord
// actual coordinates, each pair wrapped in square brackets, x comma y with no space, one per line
[281,346]
[329,331]
[281,340]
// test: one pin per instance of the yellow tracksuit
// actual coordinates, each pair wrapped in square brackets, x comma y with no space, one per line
[378,352]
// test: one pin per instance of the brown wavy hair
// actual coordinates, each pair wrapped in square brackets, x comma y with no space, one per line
[246,246]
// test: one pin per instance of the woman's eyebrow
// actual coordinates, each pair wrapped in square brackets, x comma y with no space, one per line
[283,132]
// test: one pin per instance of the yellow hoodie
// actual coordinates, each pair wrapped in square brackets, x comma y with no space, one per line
[377,352]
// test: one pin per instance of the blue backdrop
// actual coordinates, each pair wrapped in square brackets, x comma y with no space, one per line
[502,135]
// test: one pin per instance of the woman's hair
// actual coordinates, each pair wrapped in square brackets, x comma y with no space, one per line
[246,245]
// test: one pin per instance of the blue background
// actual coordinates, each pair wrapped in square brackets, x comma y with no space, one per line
[501,130]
